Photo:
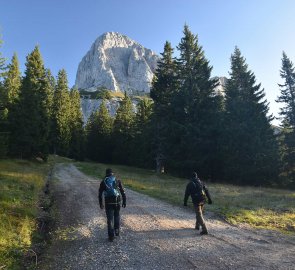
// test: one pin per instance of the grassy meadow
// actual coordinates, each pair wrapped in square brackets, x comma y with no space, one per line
[259,207]
[21,183]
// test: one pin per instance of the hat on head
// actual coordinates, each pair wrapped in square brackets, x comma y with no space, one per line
[109,171]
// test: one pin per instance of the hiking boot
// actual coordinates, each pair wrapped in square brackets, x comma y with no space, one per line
[203,232]
[117,232]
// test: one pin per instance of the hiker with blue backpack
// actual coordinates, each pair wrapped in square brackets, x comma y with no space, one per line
[112,188]
[199,194]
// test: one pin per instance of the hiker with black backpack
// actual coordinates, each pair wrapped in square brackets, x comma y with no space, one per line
[198,192]
[111,188]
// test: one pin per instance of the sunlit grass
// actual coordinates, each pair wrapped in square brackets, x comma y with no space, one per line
[20,186]
[259,207]
[66,234]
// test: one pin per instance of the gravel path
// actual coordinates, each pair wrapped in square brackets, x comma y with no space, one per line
[154,235]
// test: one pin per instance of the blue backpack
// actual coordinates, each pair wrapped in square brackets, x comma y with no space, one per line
[111,187]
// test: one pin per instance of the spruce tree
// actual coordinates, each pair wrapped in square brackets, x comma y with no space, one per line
[250,145]
[99,130]
[52,86]
[3,109]
[61,116]
[123,133]
[76,126]
[164,87]
[287,113]
[143,114]
[142,152]
[91,131]
[12,82]
[196,112]
[11,85]
[30,126]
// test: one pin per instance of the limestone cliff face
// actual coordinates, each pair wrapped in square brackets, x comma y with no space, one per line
[220,88]
[117,63]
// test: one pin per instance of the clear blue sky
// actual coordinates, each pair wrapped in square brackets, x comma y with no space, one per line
[65,30]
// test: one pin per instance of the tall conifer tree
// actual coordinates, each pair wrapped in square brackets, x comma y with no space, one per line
[31,120]
[164,87]
[99,130]
[143,114]
[61,115]
[287,113]
[11,85]
[196,111]
[142,152]
[92,131]
[12,82]
[50,81]
[3,108]
[76,126]
[123,131]
[52,133]
[251,147]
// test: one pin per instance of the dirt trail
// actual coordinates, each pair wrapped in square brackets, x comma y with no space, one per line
[154,235]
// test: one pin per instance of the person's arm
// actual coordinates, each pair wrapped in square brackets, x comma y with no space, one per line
[186,195]
[100,191]
[122,191]
[207,194]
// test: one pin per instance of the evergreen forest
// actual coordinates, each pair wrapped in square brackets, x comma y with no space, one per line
[183,126]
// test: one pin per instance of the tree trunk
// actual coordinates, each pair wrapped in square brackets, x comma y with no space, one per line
[160,165]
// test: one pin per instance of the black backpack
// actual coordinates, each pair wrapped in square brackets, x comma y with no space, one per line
[199,193]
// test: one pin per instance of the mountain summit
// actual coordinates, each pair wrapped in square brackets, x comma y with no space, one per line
[117,63]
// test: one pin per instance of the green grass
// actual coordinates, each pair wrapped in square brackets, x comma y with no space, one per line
[20,185]
[259,207]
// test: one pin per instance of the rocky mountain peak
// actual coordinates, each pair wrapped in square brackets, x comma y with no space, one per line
[115,39]
[117,63]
